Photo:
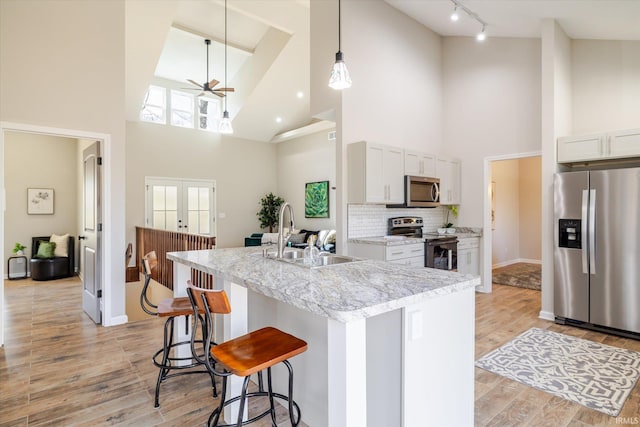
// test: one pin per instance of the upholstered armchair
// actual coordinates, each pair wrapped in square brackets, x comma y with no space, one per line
[48,264]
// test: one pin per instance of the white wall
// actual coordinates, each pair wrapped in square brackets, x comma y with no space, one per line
[62,66]
[506,236]
[605,78]
[530,208]
[309,158]
[394,61]
[491,108]
[50,164]
[244,172]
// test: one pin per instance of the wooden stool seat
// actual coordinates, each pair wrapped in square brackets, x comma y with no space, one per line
[171,307]
[257,350]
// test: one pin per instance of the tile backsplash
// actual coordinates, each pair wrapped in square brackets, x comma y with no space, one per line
[371,220]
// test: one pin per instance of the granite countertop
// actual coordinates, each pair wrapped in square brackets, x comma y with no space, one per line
[461,233]
[343,292]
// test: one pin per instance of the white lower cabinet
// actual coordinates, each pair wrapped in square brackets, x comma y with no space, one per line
[409,254]
[469,255]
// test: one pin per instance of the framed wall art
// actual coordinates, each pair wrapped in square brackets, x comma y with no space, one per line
[40,201]
[316,199]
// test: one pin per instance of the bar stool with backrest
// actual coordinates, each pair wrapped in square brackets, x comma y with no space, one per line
[171,308]
[245,355]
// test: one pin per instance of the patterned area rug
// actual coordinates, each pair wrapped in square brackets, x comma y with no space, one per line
[595,375]
[521,274]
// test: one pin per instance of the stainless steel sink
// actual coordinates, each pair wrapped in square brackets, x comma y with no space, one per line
[296,257]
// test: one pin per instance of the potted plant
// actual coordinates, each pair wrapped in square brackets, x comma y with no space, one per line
[268,214]
[453,209]
[19,248]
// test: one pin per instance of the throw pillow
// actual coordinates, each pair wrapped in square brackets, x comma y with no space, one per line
[61,244]
[46,250]
[297,238]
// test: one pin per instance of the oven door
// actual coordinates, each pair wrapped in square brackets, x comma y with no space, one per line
[441,254]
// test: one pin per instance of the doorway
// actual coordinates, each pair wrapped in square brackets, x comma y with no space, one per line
[512,214]
[23,129]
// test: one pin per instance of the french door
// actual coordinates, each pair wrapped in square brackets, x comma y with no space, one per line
[186,206]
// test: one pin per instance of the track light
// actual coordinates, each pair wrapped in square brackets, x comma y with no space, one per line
[454,14]
[481,35]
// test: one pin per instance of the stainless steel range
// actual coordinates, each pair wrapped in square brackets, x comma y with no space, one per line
[440,250]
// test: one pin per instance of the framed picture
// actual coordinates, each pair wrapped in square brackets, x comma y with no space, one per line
[40,201]
[316,199]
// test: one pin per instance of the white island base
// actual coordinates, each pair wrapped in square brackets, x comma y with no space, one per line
[412,366]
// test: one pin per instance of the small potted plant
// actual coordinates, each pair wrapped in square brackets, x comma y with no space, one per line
[453,209]
[19,248]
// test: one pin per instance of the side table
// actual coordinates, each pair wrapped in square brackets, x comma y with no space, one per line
[17,267]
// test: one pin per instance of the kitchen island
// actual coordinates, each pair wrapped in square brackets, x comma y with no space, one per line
[388,344]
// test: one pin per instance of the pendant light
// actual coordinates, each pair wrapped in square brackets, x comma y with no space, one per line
[225,124]
[339,74]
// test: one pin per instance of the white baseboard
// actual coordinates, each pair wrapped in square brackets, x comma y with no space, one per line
[116,320]
[545,315]
[515,261]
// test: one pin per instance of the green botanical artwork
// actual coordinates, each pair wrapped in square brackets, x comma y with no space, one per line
[316,200]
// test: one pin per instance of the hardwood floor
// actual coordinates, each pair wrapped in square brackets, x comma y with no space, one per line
[500,316]
[58,368]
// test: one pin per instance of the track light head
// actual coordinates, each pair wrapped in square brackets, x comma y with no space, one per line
[454,15]
[482,36]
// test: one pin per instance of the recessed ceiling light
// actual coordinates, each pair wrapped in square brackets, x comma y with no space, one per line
[279,119]
[300,94]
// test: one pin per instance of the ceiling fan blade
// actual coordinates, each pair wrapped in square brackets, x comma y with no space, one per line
[213,82]
[194,83]
[201,94]
[225,89]
[220,94]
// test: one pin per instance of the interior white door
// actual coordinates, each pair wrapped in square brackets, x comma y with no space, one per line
[90,240]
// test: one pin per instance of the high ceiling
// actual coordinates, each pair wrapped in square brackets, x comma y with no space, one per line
[268,54]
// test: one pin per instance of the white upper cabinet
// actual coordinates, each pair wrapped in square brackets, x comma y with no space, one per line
[448,170]
[602,146]
[419,164]
[375,173]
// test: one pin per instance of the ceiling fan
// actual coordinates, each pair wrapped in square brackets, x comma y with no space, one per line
[210,86]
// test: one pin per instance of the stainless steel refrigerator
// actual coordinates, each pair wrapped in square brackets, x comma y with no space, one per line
[597,249]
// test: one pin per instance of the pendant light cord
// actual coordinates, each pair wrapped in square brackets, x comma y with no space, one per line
[339,25]
[225,54]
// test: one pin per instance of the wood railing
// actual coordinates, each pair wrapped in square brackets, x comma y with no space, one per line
[161,241]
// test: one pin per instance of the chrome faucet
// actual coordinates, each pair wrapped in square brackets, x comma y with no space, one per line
[281,237]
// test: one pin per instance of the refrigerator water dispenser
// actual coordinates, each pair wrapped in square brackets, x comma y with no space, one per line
[570,233]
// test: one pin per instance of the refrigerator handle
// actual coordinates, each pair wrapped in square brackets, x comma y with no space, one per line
[585,232]
[592,231]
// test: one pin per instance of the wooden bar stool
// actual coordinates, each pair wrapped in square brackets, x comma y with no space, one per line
[246,355]
[171,308]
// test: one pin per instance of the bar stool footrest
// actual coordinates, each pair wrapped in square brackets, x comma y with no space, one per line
[259,416]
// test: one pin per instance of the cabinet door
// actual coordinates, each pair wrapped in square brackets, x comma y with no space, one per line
[469,261]
[449,173]
[580,148]
[393,171]
[624,144]
[412,163]
[428,166]
[376,185]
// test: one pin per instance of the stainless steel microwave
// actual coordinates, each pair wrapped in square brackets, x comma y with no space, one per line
[420,192]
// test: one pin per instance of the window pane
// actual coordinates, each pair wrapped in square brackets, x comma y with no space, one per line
[155,96]
[172,199]
[182,119]
[192,200]
[172,221]
[193,222]
[159,220]
[158,198]
[203,106]
[181,101]
[204,199]
[152,114]
[204,222]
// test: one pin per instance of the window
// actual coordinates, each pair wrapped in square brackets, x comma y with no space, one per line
[181,109]
[182,205]
[208,114]
[154,106]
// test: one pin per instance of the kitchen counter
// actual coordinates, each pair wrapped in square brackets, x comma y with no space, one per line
[371,327]
[342,292]
[401,240]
